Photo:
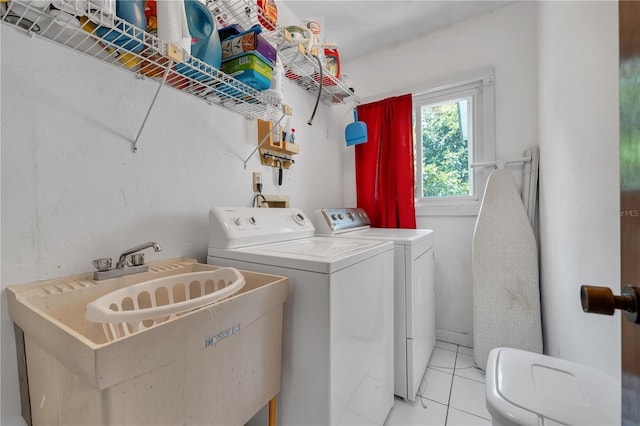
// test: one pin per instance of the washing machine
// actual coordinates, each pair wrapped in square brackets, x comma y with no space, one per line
[337,353]
[414,292]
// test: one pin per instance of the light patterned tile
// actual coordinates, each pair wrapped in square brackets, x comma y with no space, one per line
[419,412]
[460,418]
[465,350]
[469,396]
[445,345]
[465,367]
[465,361]
[472,373]
[436,386]
[443,360]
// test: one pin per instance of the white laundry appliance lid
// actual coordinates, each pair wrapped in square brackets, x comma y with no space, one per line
[317,254]
[350,222]
[407,237]
[525,386]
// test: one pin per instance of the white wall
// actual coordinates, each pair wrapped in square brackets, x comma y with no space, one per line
[72,190]
[505,39]
[579,183]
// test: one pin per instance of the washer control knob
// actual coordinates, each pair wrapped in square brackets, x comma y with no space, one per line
[350,215]
[299,219]
[340,216]
[237,221]
[334,216]
[252,220]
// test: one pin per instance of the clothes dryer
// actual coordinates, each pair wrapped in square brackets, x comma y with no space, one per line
[337,354]
[414,293]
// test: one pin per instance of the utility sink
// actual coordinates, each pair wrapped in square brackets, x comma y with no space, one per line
[218,364]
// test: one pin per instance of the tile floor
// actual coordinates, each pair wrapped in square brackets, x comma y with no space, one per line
[451,392]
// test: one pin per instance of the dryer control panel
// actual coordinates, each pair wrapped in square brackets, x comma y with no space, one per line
[336,221]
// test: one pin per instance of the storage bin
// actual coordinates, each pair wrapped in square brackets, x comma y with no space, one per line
[218,364]
[236,43]
[251,69]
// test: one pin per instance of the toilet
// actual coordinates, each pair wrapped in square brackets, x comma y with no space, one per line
[526,388]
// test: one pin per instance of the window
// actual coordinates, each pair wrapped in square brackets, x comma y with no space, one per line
[454,128]
[446,147]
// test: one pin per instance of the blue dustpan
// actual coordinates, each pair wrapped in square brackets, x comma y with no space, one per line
[356,132]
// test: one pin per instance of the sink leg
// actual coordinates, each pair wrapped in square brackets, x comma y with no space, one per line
[272,412]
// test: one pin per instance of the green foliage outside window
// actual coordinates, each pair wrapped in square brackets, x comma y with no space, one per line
[445,153]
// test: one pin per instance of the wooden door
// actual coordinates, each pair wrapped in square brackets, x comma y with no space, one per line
[629,19]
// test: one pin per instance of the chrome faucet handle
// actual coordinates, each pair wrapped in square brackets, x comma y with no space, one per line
[129,262]
[123,257]
[137,259]
[102,264]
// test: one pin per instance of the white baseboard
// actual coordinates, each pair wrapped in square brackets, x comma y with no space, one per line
[454,337]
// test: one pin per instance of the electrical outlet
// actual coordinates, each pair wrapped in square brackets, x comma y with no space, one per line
[257,179]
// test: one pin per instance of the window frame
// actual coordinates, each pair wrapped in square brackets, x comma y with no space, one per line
[482,140]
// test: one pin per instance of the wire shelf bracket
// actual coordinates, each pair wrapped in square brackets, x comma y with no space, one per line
[119,43]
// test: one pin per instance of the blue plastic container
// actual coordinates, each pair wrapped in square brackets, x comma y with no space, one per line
[131,11]
[205,42]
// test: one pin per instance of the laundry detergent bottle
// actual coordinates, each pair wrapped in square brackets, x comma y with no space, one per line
[205,41]
[131,11]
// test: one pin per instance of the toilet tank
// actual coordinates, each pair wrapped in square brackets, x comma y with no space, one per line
[524,388]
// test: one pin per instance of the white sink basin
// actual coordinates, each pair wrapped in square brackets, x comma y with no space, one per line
[179,372]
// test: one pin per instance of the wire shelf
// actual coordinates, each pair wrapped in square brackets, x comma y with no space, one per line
[89,30]
[116,41]
[301,68]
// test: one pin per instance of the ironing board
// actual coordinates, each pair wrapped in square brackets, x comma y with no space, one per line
[506,295]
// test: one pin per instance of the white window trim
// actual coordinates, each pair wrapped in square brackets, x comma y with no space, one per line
[483,143]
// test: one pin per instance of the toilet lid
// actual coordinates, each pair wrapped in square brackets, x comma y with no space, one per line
[556,389]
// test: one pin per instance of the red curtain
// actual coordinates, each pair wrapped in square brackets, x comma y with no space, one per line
[384,164]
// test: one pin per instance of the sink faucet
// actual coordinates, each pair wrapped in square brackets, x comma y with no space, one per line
[137,263]
[123,257]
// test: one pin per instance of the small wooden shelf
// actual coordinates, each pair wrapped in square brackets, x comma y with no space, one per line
[274,151]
